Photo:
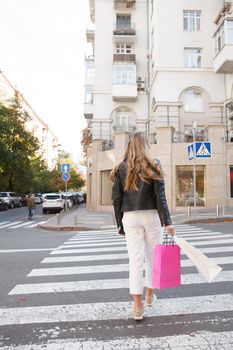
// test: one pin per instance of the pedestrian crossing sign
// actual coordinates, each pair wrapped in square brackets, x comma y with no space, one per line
[203,149]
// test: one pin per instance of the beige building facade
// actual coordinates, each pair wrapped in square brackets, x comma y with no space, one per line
[49,143]
[166,68]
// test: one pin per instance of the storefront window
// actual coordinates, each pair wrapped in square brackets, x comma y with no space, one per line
[184,186]
[106,188]
[231,180]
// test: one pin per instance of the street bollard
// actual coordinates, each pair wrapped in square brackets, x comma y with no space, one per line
[76,220]
[58,219]
[217,210]
[189,211]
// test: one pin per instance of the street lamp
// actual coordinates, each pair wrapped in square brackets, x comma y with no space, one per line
[194,128]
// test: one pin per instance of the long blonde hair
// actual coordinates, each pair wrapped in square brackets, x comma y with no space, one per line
[140,165]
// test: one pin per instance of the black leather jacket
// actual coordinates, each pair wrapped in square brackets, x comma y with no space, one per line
[149,196]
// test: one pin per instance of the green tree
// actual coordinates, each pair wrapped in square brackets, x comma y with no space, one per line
[17,144]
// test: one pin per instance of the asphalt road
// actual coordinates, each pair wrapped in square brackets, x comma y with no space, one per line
[70,291]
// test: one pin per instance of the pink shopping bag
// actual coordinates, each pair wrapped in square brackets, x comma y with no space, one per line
[166,269]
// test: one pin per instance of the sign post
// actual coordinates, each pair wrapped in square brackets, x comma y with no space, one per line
[65,177]
[197,150]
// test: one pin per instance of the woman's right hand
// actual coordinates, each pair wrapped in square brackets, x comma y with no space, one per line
[170,229]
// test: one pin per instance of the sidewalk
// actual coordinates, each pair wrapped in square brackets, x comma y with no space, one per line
[81,219]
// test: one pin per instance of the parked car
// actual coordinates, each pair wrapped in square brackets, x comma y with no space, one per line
[53,202]
[11,199]
[3,205]
[80,197]
[69,199]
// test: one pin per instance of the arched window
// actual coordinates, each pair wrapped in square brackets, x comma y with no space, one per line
[193,101]
[124,119]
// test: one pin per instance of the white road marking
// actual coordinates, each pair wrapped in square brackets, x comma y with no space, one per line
[75,270]
[114,310]
[4,222]
[197,340]
[61,259]
[190,239]
[10,224]
[77,286]
[89,250]
[24,250]
[94,244]
[36,224]
[21,225]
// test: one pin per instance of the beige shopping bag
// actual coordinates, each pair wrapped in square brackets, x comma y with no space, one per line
[205,266]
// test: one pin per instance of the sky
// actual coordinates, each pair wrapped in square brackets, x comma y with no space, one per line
[42,51]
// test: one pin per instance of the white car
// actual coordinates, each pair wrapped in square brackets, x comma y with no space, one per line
[11,199]
[53,202]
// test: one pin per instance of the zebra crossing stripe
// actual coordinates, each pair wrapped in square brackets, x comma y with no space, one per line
[21,225]
[190,239]
[199,340]
[75,270]
[89,250]
[114,310]
[61,259]
[78,286]
[113,244]
[10,224]
[36,224]
[120,239]
[4,222]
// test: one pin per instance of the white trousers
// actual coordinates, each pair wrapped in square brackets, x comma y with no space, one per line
[142,231]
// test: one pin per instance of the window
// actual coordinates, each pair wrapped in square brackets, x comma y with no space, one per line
[123,22]
[124,119]
[192,58]
[185,188]
[193,101]
[90,69]
[192,20]
[88,94]
[123,48]
[220,39]
[231,180]
[229,25]
[124,74]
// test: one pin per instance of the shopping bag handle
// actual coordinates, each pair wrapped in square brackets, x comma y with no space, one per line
[168,239]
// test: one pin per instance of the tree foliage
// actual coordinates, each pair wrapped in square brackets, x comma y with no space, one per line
[86,140]
[22,168]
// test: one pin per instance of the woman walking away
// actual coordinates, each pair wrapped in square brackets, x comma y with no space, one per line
[138,196]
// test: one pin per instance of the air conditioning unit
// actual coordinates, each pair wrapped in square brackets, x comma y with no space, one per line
[140,84]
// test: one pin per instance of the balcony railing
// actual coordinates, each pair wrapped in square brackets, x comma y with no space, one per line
[107,145]
[124,4]
[124,128]
[124,57]
[124,28]
[183,137]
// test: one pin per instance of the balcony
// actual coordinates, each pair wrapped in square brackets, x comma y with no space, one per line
[88,110]
[223,37]
[124,32]
[120,57]
[124,128]
[107,145]
[124,4]
[90,35]
[186,137]
[124,92]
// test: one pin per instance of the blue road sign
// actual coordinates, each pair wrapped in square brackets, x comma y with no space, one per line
[65,168]
[65,177]
[203,149]
[191,151]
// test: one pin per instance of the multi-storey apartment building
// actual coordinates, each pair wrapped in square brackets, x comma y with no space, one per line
[166,68]
[49,143]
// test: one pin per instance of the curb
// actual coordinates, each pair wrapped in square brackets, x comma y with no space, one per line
[67,228]
[209,220]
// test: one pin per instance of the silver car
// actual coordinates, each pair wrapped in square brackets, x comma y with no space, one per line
[11,199]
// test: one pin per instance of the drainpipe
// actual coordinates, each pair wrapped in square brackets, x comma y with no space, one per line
[148,62]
